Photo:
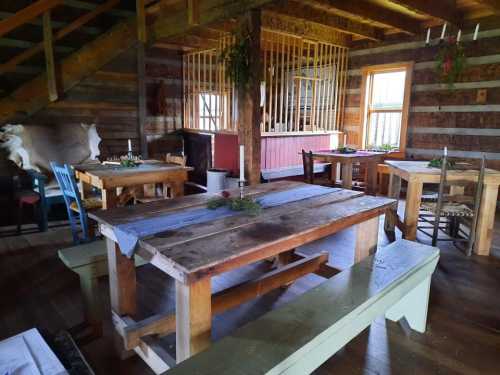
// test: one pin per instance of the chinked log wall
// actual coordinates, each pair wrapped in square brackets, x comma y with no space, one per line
[109,99]
[438,116]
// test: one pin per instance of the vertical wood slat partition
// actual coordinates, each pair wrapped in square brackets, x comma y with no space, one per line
[304,83]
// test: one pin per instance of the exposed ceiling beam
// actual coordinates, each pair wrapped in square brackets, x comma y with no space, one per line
[306,12]
[373,12]
[27,14]
[304,28]
[445,10]
[494,5]
[91,6]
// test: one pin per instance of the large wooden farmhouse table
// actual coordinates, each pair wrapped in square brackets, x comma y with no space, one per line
[369,158]
[196,253]
[108,178]
[417,173]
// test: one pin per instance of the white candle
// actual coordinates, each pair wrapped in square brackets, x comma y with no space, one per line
[129,145]
[476,31]
[242,163]
[443,31]
[459,35]
[428,39]
[345,139]
[445,151]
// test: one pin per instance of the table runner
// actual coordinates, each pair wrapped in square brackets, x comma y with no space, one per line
[127,235]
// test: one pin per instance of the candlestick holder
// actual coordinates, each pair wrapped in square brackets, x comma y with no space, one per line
[241,184]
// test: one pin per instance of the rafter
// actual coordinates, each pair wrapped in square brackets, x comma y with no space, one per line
[372,12]
[445,10]
[303,11]
[304,28]
[27,14]
[494,5]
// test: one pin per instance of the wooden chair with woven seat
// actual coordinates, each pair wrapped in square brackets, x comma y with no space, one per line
[75,206]
[309,176]
[453,210]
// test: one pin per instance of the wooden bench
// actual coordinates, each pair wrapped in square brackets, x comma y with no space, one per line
[90,262]
[298,337]
[294,170]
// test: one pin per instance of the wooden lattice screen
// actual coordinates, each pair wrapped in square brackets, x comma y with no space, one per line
[302,90]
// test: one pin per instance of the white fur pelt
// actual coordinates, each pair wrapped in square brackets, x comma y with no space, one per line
[35,146]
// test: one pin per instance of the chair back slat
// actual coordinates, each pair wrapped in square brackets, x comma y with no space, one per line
[308,162]
[66,179]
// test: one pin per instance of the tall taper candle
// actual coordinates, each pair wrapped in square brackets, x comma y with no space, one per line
[428,39]
[445,151]
[459,36]
[242,163]
[345,140]
[476,31]
[443,32]
[129,145]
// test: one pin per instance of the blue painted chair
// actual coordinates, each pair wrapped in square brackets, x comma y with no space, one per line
[77,209]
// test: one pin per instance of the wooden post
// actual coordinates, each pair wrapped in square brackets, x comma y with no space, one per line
[249,111]
[141,21]
[49,57]
[193,308]
[193,12]
[141,90]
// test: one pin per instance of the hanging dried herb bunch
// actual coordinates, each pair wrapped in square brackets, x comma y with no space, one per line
[450,62]
[236,59]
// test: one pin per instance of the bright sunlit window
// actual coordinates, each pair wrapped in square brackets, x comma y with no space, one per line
[386,106]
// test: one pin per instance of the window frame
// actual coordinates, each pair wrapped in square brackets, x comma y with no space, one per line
[366,72]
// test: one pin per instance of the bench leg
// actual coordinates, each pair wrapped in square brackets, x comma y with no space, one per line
[413,307]
[92,301]
[366,239]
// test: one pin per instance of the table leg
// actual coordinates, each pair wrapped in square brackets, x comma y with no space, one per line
[85,190]
[486,220]
[371,183]
[412,209]
[391,215]
[176,188]
[347,175]
[109,198]
[333,173]
[122,281]
[366,239]
[193,317]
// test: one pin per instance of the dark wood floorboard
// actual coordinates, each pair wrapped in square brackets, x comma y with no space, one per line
[463,335]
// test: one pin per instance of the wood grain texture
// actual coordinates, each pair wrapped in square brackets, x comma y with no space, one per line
[364,291]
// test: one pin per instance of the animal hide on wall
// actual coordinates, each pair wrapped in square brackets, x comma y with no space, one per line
[35,146]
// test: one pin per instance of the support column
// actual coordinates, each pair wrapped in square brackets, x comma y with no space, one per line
[249,111]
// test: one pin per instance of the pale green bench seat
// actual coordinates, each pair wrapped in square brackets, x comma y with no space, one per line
[298,337]
[90,262]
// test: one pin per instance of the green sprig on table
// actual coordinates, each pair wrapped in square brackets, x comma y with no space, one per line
[127,163]
[246,204]
[437,163]
[346,150]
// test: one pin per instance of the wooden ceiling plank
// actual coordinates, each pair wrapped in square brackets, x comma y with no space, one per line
[494,5]
[303,28]
[373,12]
[27,14]
[76,24]
[91,6]
[445,10]
[338,23]
[49,58]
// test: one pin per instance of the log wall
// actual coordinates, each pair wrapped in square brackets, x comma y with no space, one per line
[439,116]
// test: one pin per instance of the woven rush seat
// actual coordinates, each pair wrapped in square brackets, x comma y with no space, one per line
[448,209]
[93,203]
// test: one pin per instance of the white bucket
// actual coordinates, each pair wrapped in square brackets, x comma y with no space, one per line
[216,180]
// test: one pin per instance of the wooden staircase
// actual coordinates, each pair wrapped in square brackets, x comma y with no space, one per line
[64,41]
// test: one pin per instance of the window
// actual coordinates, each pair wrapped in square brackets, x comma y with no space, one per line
[209,105]
[386,91]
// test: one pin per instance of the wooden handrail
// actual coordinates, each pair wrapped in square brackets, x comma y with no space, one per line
[27,14]
[12,63]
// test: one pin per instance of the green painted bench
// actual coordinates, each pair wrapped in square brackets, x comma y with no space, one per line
[298,337]
[90,262]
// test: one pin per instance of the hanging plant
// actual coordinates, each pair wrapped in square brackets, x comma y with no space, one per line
[237,59]
[450,62]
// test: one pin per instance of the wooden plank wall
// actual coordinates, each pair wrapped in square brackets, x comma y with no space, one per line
[438,116]
[109,99]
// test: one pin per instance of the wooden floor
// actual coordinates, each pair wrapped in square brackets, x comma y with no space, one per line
[463,335]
